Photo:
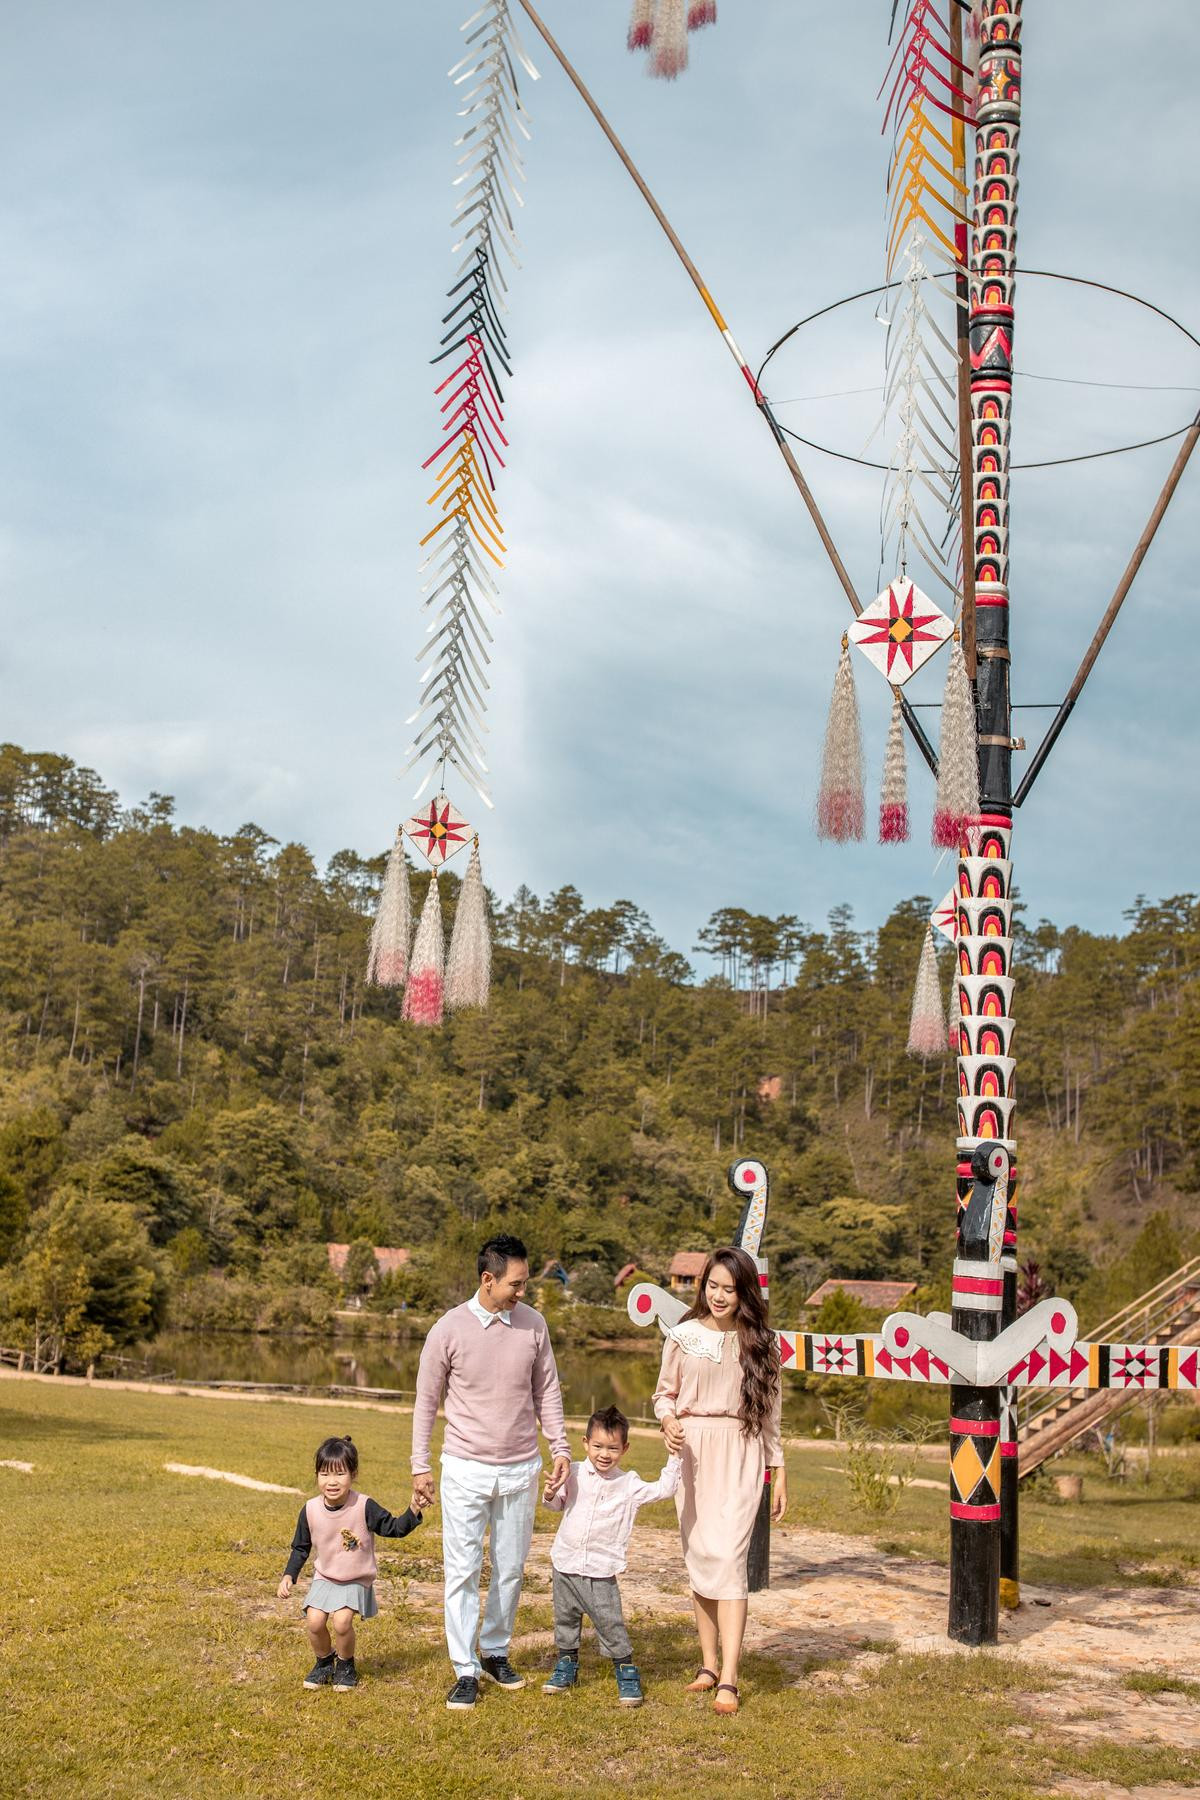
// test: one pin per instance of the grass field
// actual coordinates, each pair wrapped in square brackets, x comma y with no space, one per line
[145,1652]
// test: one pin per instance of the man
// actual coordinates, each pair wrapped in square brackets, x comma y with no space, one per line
[491,1359]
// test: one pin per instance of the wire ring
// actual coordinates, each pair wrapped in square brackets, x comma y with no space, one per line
[948,275]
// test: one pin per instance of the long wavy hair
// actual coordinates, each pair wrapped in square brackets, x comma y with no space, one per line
[757,1344]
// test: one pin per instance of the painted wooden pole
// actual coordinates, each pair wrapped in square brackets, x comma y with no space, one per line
[984,944]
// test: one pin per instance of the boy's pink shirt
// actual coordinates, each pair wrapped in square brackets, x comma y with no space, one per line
[498,1380]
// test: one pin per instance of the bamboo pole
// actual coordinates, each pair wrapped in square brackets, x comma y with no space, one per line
[718,319]
[966,492]
[1157,513]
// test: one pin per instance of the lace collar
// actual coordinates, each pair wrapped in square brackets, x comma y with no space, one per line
[699,1340]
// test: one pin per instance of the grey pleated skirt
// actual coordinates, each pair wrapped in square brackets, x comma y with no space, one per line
[327,1596]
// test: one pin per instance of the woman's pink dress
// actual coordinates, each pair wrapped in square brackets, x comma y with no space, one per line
[717,1499]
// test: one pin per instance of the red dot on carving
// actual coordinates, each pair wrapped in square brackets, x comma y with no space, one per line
[644,1303]
[1058,1322]
[902,1335]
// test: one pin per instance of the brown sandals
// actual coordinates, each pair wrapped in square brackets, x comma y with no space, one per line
[700,1686]
[725,1706]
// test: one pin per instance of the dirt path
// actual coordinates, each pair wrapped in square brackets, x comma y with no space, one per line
[837,1605]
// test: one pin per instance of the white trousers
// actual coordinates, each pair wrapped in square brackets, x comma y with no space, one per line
[468,1510]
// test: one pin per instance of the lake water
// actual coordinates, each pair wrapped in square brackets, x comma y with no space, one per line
[590,1377]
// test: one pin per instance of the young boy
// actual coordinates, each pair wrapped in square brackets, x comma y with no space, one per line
[598,1504]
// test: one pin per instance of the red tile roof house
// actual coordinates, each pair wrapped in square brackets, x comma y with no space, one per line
[876,1296]
[687,1266]
[386,1261]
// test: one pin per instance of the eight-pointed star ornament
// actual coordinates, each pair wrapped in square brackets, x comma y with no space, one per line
[900,630]
[438,831]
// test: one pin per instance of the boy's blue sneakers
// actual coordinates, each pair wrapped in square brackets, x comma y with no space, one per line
[629,1684]
[565,1676]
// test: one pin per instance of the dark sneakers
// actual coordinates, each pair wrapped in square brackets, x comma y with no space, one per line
[345,1675]
[565,1676]
[629,1684]
[321,1673]
[463,1694]
[501,1671]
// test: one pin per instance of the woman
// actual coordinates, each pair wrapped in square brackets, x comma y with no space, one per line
[718,1397]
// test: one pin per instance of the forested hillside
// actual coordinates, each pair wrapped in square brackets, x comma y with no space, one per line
[197,1090]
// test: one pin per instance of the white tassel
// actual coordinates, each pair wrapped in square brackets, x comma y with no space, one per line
[425,993]
[469,965]
[927,1026]
[669,45]
[893,792]
[391,934]
[957,804]
[840,804]
[641,25]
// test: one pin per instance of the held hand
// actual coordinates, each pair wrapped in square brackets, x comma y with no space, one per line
[285,1587]
[558,1476]
[779,1495]
[674,1435]
[423,1492]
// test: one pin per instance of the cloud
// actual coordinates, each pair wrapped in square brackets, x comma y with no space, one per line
[225,257]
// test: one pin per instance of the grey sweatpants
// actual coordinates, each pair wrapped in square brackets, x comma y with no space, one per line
[594,1597]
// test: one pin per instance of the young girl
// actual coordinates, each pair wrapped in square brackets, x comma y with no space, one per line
[342,1525]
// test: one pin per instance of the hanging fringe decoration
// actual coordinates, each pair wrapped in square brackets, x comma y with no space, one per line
[469,964]
[893,792]
[662,27]
[927,1024]
[391,934]
[840,805]
[958,757]
[641,25]
[668,43]
[467,543]
[424,996]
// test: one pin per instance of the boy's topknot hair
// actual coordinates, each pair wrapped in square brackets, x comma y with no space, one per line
[610,1418]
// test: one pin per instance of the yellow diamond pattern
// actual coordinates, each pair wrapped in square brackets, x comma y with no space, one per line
[993,1467]
[966,1468]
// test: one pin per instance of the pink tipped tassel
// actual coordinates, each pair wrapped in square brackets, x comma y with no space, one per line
[425,992]
[469,965]
[840,806]
[641,25]
[893,791]
[701,13]
[927,1025]
[958,758]
[668,46]
[391,934]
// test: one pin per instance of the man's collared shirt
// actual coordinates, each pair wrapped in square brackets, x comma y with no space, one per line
[486,1318]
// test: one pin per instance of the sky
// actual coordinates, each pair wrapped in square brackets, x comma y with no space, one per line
[226,237]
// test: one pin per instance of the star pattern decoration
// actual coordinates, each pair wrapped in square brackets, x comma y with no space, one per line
[944,917]
[900,630]
[834,1357]
[438,831]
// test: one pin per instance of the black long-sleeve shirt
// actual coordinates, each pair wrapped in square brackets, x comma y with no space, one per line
[379,1522]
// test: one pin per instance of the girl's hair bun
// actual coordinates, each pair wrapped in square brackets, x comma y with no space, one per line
[346,1438]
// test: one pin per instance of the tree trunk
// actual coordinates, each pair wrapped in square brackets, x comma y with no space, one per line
[182,1031]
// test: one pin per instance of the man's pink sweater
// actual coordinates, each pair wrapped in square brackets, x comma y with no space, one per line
[499,1381]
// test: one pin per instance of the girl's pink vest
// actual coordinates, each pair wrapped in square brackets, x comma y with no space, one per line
[343,1548]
